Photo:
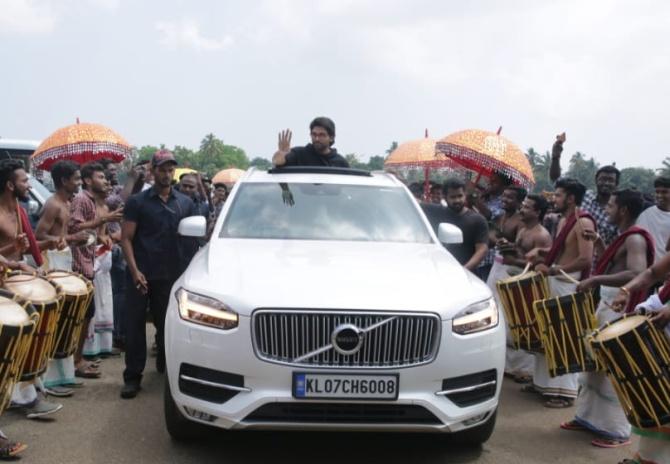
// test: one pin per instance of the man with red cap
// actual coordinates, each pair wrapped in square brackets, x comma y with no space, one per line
[156,256]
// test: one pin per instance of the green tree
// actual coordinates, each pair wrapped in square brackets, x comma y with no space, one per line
[145,152]
[638,178]
[583,169]
[393,146]
[540,165]
[354,162]
[214,155]
[261,163]
[376,163]
[186,157]
[665,168]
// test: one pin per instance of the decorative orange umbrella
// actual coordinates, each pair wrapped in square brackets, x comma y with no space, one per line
[419,153]
[227,176]
[487,152]
[81,143]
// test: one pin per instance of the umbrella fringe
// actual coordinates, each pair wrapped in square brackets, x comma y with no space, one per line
[474,160]
[81,152]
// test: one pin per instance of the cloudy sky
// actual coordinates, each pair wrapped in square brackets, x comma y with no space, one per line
[171,71]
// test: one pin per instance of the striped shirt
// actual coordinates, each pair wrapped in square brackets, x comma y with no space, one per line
[82,209]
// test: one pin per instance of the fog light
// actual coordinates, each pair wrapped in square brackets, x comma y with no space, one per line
[475,420]
[195,414]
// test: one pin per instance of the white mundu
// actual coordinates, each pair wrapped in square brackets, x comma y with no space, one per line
[564,385]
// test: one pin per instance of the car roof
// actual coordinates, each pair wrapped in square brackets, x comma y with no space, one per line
[15,144]
[322,176]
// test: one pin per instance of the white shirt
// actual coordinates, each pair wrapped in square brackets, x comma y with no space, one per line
[657,223]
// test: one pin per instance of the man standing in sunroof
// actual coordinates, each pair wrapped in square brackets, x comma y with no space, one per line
[318,153]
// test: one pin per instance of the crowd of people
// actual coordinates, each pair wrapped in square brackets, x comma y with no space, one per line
[610,239]
[121,238]
[124,239]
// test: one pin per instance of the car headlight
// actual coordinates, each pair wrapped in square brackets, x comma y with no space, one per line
[206,311]
[477,317]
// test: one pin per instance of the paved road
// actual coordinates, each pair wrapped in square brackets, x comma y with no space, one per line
[96,426]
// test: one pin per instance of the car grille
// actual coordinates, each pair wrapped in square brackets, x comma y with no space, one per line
[391,340]
[334,413]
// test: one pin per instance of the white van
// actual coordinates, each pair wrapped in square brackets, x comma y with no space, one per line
[23,150]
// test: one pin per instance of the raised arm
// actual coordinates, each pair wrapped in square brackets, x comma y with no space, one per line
[283,147]
[556,150]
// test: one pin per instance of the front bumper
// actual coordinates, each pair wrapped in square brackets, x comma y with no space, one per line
[252,390]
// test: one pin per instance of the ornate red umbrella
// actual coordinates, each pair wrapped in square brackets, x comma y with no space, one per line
[81,143]
[487,152]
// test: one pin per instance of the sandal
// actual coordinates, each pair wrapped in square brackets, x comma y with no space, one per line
[573,425]
[76,383]
[529,389]
[610,442]
[10,449]
[87,371]
[629,461]
[523,378]
[558,402]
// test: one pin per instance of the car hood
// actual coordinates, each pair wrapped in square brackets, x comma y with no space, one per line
[250,274]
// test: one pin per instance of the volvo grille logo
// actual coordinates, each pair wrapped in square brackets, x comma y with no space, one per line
[347,339]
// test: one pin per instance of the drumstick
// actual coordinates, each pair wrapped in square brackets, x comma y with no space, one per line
[525,269]
[19,224]
[569,277]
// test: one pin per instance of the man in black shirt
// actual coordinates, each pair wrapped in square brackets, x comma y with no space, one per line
[475,230]
[156,257]
[317,153]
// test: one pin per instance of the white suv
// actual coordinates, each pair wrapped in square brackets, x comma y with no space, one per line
[324,300]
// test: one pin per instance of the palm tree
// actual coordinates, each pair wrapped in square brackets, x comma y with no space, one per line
[665,169]
[540,164]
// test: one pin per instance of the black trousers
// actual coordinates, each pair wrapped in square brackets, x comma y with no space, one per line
[157,298]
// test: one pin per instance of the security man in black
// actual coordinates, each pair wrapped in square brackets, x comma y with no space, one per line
[156,257]
[318,153]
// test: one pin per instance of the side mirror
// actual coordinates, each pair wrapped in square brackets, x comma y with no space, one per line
[193,226]
[33,208]
[449,234]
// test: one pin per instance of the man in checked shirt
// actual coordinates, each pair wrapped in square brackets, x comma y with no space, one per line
[607,181]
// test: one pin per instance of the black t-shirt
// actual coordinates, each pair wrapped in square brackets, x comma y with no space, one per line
[474,227]
[307,156]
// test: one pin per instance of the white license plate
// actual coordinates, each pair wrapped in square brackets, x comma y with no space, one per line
[345,386]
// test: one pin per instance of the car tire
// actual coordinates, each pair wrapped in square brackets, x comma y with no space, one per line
[477,435]
[178,426]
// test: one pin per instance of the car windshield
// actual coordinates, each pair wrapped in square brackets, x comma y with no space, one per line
[302,211]
[43,191]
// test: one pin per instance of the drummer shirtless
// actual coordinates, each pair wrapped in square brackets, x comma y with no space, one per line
[653,447]
[14,186]
[569,258]
[575,252]
[507,225]
[531,233]
[53,227]
[626,257]
[53,222]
